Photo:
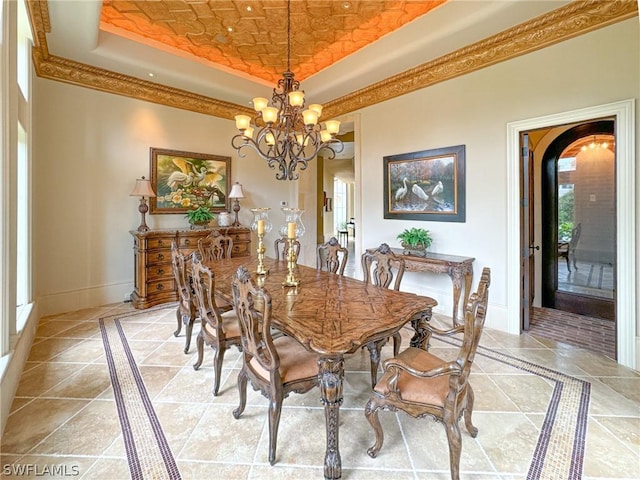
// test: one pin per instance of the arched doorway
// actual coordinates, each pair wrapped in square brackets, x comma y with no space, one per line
[578,228]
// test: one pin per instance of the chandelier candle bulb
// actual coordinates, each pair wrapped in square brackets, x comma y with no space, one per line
[260,227]
[243,122]
[260,103]
[296,98]
[269,114]
[317,107]
[291,230]
[325,136]
[333,126]
[310,117]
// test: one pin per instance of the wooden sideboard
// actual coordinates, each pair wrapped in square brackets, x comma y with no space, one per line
[153,276]
[458,268]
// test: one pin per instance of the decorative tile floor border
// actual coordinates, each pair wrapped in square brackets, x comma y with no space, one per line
[149,455]
[565,424]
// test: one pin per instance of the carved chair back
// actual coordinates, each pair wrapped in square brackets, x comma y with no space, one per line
[281,246]
[381,266]
[253,308]
[204,288]
[215,246]
[332,256]
[187,310]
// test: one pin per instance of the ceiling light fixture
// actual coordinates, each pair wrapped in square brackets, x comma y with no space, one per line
[287,134]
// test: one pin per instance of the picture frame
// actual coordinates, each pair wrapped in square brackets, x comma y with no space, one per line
[183,181]
[428,185]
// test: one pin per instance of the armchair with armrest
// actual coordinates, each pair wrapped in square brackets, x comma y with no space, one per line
[421,384]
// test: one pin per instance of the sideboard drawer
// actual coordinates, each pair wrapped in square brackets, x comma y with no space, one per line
[153,274]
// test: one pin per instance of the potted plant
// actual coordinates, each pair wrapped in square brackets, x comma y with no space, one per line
[200,216]
[415,241]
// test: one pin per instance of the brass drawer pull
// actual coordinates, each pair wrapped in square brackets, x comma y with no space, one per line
[160,256]
[160,271]
[161,243]
[160,287]
[187,241]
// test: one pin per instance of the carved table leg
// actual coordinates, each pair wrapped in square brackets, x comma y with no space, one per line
[456,275]
[331,378]
[456,279]
[421,338]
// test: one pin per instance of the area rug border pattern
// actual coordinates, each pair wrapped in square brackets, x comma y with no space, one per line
[564,426]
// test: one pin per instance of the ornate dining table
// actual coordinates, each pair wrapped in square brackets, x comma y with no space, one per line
[331,315]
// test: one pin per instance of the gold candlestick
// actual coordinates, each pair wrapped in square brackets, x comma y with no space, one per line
[290,280]
[261,269]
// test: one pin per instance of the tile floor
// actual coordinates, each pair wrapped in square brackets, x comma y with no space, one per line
[64,414]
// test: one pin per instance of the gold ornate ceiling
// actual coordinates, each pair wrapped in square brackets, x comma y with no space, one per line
[575,18]
[251,36]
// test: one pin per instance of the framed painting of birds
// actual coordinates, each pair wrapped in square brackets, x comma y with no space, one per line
[426,185]
[183,181]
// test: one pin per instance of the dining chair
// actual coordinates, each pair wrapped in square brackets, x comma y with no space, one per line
[567,250]
[219,330]
[187,310]
[381,266]
[274,366]
[421,384]
[332,256]
[212,248]
[215,246]
[281,246]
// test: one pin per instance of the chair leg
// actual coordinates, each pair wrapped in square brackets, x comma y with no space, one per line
[275,409]
[397,341]
[455,446]
[568,265]
[218,358]
[242,389]
[473,431]
[200,345]
[179,317]
[187,332]
[371,413]
[374,354]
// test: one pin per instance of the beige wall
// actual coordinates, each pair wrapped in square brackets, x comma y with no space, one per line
[89,149]
[474,110]
[91,146]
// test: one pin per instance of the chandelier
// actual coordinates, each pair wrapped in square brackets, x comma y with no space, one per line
[287,134]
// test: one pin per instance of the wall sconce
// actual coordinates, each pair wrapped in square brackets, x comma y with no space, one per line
[236,193]
[143,190]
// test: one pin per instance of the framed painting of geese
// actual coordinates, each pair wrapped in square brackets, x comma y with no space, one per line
[426,185]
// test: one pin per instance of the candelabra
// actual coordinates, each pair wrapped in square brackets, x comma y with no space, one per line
[261,225]
[292,259]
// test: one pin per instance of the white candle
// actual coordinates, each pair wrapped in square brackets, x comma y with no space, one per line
[260,227]
[291,230]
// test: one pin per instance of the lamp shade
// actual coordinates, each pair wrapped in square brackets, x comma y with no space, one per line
[142,188]
[236,191]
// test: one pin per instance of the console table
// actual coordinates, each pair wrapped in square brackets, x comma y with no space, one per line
[458,268]
[153,276]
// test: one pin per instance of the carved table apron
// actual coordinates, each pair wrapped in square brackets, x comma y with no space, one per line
[331,315]
[458,268]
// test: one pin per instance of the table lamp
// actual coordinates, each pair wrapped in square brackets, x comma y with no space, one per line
[143,189]
[236,193]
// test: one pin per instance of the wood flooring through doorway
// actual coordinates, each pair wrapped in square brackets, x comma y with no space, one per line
[579,330]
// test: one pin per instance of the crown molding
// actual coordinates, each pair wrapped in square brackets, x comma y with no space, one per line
[557,26]
[567,22]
